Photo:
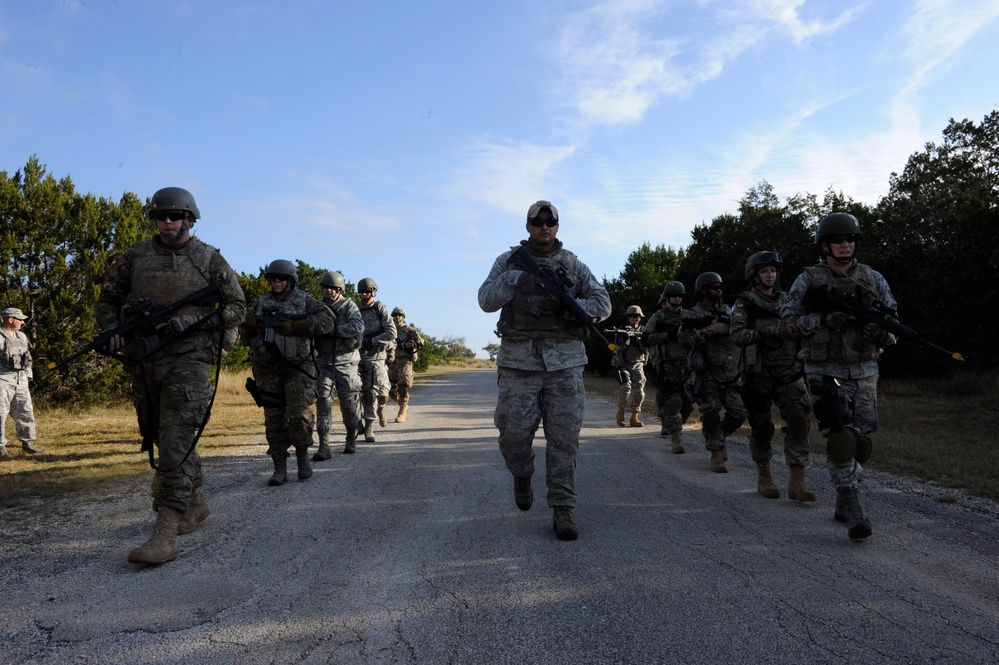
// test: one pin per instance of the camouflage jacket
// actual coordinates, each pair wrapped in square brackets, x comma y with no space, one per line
[408,343]
[340,346]
[283,349]
[762,347]
[379,331]
[711,348]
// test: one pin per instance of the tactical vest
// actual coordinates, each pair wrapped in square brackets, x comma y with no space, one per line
[669,352]
[771,352]
[850,346]
[292,348]
[333,346]
[517,319]
[15,355]
[373,327]
[164,276]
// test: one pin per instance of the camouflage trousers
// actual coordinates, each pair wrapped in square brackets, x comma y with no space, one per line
[712,397]
[631,392]
[673,403]
[171,396]
[526,400]
[861,398]
[400,376]
[343,382]
[290,425]
[374,384]
[15,401]
[759,393]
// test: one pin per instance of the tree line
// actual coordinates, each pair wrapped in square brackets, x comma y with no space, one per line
[934,236]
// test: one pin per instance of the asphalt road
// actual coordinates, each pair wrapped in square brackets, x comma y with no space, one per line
[412,551]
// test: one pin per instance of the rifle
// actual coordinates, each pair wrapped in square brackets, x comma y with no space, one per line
[824,299]
[557,283]
[269,318]
[144,321]
[626,333]
[705,321]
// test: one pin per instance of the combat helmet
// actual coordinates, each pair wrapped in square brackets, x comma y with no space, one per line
[837,224]
[706,278]
[400,311]
[367,284]
[282,267]
[173,198]
[760,259]
[333,280]
[673,288]
[634,310]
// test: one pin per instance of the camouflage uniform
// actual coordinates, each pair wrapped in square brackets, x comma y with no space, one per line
[338,358]
[408,343]
[771,374]
[171,387]
[540,366]
[668,362]
[716,377]
[847,357]
[15,398]
[630,363]
[379,336]
[285,370]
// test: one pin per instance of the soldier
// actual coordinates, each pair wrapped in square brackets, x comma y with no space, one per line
[630,363]
[15,373]
[408,343]
[379,337]
[338,374]
[771,374]
[705,331]
[280,334]
[540,363]
[841,358]
[668,361]
[170,385]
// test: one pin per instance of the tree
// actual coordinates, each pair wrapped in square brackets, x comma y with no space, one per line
[492,349]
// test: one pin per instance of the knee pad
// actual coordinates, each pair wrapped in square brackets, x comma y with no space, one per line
[798,426]
[674,404]
[842,445]
[730,424]
[763,434]
[864,447]
[711,422]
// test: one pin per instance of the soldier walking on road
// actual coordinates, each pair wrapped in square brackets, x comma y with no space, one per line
[171,384]
[540,363]
[771,374]
[630,363]
[338,357]
[841,358]
[705,331]
[668,364]
[15,373]
[379,337]
[408,343]
[280,335]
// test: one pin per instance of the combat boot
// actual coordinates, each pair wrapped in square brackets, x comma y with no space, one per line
[162,545]
[765,482]
[369,436]
[3,452]
[563,523]
[304,466]
[323,452]
[677,437]
[403,405]
[718,462]
[351,444]
[664,430]
[523,494]
[620,417]
[858,526]
[196,512]
[635,422]
[798,489]
[382,401]
[28,448]
[280,474]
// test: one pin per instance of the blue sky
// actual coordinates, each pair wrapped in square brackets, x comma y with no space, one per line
[404,141]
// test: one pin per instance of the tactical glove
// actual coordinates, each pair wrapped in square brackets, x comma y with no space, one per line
[528,284]
[293,328]
[872,332]
[838,321]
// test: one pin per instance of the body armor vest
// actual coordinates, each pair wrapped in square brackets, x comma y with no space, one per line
[850,346]
[517,319]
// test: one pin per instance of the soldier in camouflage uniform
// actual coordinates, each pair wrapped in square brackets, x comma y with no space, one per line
[629,359]
[705,331]
[668,362]
[771,374]
[280,334]
[15,373]
[379,337]
[171,386]
[841,358]
[540,363]
[408,343]
[338,358]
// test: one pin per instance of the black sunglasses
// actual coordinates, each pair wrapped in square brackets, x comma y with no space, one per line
[366,291]
[172,215]
[836,240]
[538,223]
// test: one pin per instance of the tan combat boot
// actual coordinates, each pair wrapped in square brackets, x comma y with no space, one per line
[765,482]
[677,438]
[718,462]
[620,417]
[797,489]
[382,401]
[635,422]
[403,406]
[162,545]
[197,512]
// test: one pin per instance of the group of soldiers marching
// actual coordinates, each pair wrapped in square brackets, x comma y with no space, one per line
[772,348]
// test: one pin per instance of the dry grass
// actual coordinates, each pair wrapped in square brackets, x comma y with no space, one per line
[938,431]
